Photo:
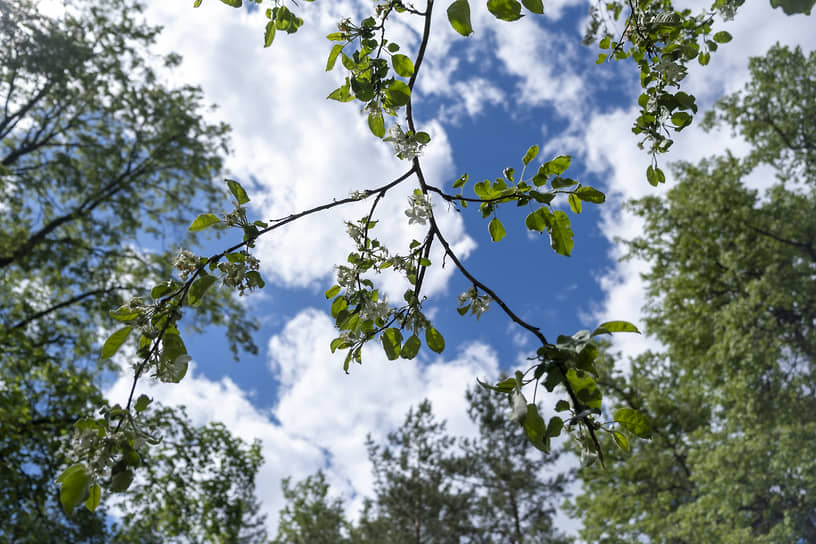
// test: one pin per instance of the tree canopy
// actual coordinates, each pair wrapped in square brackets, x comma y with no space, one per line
[731,398]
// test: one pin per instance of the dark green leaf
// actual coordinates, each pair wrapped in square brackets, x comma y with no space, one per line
[398,93]
[142,403]
[459,17]
[114,342]
[724,37]
[561,233]
[562,406]
[791,7]
[555,426]
[198,288]
[634,422]
[434,340]
[233,3]
[121,481]
[536,429]
[411,347]
[585,388]
[590,194]
[560,183]
[203,221]
[536,6]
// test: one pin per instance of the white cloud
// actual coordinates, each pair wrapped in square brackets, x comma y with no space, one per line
[324,415]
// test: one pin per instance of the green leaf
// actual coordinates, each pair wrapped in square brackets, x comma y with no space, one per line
[333,54]
[496,229]
[621,440]
[121,481]
[411,347]
[94,496]
[506,10]
[634,422]
[531,154]
[403,65]
[198,288]
[555,426]
[142,403]
[681,119]
[724,37]
[203,221]
[536,429]
[233,3]
[332,291]
[562,406]
[459,17]
[574,202]
[376,123]
[74,490]
[341,94]
[196,3]
[556,166]
[585,388]
[338,306]
[124,314]
[561,233]
[560,183]
[176,369]
[615,326]
[791,7]
[590,194]
[269,33]
[391,340]
[434,340]
[114,342]
[538,220]
[422,137]
[536,6]
[398,93]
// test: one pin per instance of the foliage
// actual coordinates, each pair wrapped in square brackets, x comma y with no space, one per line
[96,153]
[309,515]
[658,38]
[731,400]
[434,487]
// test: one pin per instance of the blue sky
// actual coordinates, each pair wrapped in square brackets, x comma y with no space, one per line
[484,100]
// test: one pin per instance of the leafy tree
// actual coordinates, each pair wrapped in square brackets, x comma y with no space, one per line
[731,400]
[514,501]
[659,40]
[417,496]
[96,153]
[310,516]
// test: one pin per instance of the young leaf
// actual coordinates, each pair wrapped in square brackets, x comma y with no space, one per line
[269,33]
[411,347]
[531,154]
[496,229]
[376,123]
[575,203]
[332,291]
[333,54]
[621,440]
[94,496]
[615,326]
[434,340]
[459,17]
[556,166]
[634,422]
[203,221]
[114,342]
[403,65]
[391,340]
